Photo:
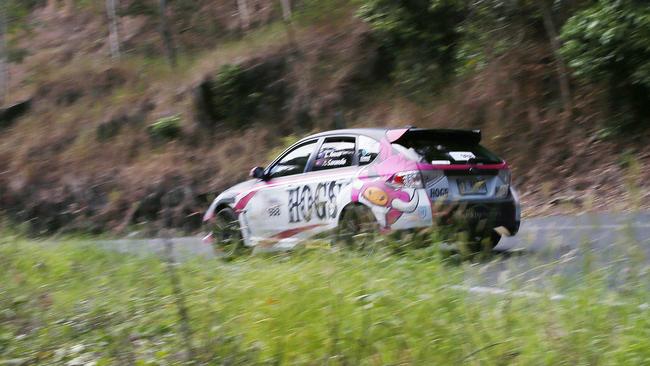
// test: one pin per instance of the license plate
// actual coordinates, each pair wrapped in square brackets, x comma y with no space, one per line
[472,186]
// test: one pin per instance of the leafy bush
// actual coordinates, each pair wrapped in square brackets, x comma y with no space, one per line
[609,43]
[17,55]
[17,10]
[166,128]
[422,36]
[239,94]
[235,99]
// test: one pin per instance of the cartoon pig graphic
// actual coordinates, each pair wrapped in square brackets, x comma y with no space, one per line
[388,202]
[372,189]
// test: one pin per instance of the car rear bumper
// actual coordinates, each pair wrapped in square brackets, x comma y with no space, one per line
[483,215]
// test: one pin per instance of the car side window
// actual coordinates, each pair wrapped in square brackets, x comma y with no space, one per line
[336,152]
[368,150]
[294,162]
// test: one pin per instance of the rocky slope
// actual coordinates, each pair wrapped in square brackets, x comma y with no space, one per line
[81,155]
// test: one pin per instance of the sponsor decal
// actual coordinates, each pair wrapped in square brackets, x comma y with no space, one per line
[335,162]
[334,158]
[423,212]
[438,192]
[273,211]
[462,155]
[438,188]
[335,154]
[306,204]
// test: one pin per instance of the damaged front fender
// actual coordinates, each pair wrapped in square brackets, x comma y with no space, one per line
[227,199]
[219,202]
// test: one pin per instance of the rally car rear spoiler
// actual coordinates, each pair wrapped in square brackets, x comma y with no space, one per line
[471,137]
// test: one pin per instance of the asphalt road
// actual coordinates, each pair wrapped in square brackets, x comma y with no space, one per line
[555,251]
[561,250]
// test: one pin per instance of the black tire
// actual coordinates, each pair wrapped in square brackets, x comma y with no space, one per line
[484,242]
[228,241]
[357,227]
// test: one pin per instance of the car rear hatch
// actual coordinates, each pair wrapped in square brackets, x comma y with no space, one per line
[453,164]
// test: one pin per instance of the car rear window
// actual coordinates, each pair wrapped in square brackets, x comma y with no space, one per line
[445,152]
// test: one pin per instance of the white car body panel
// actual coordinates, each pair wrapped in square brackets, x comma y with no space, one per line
[278,213]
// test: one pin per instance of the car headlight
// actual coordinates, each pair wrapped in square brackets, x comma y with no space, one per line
[503,185]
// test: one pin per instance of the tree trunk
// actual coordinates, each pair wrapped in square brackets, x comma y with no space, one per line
[244,14]
[69,7]
[561,69]
[286,16]
[4,71]
[168,42]
[51,6]
[113,29]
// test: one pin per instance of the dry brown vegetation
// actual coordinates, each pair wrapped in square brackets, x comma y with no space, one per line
[82,157]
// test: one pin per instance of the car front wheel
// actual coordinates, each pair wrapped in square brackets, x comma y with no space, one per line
[228,241]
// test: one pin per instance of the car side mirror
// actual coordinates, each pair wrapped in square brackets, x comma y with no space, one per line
[258,173]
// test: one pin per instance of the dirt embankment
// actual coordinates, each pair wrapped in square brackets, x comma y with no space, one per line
[82,157]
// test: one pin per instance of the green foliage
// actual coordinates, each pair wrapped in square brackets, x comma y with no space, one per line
[17,11]
[239,94]
[235,97]
[495,27]
[72,303]
[193,27]
[167,128]
[17,55]
[314,11]
[140,7]
[609,43]
[421,35]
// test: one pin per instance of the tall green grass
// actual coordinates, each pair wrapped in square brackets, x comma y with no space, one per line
[73,304]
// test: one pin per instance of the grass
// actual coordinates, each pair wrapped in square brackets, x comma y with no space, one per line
[72,303]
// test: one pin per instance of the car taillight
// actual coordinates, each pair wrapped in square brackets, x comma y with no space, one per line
[411,179]
[503,185]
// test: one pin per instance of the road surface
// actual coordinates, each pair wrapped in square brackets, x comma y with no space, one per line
[555,250]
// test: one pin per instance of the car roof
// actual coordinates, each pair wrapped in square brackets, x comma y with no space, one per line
[378,133]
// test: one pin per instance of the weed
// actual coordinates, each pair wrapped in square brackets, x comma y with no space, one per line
[167,128]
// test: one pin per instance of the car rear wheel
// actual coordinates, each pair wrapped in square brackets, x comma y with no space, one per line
[228,241]
[484,242]
[357,227]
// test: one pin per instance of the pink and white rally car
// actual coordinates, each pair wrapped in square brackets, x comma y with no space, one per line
[346,181]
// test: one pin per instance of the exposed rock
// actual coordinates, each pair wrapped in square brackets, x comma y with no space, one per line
[9,115]
[107,80]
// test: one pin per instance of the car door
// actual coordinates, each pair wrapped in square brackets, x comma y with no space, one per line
[319,200]
[301,198]
[266,219]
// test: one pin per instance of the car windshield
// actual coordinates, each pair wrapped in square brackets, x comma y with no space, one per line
[439,152]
